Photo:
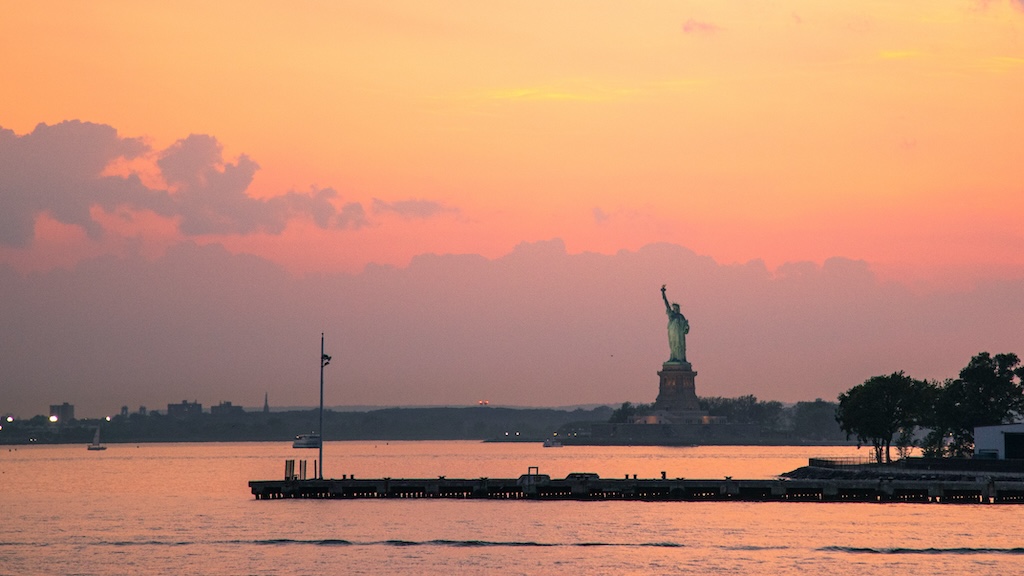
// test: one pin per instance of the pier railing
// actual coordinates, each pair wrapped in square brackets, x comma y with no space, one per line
[966,465]
[842,462]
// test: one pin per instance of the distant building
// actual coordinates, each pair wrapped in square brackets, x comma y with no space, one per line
[184,410]
[1003,442]
[266,403]
[225,409]
[63,412]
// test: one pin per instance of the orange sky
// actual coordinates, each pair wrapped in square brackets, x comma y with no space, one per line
[797,130]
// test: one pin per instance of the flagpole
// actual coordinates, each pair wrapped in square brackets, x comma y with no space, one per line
[322,357]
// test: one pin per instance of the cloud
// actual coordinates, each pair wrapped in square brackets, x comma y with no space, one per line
[538,326]
[412,208]
[697,27]
[211,195]
[57,169]
[319,206]
[985,4]
[60,170]
[1015,3]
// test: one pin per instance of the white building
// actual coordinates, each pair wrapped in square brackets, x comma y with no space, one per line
[1005,441]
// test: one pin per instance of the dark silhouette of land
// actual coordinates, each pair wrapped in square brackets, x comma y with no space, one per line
[428,423]
[469,423]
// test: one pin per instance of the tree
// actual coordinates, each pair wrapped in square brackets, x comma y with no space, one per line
[880,408]
[816,420]
[988,392]
[744,410]
[628,411]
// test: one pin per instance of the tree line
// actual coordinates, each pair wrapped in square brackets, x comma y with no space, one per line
[938,417]
[812,421]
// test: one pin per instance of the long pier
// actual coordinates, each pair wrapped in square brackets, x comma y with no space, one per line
[591,487]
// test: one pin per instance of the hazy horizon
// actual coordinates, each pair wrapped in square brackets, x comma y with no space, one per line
[459,329]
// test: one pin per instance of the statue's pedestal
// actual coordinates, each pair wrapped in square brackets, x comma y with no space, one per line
[677,392]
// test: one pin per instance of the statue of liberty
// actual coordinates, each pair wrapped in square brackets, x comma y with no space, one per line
[678,328]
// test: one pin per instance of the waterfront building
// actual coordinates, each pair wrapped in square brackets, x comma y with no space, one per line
[62,412]
[184,410]
[226,409]
[1002,442]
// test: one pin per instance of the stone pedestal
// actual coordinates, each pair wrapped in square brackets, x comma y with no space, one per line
[677,392]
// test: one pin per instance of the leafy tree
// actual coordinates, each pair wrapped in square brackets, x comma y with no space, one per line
[623,413]
[816,420]
[880,408]
[988,392]
[745,410]
[769,414]
[628,411]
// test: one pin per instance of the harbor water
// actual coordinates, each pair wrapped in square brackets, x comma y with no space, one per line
[187,509]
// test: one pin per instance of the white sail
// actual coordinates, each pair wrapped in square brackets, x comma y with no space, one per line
[96,441]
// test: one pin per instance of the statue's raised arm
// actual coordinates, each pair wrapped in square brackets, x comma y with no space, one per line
[668,308]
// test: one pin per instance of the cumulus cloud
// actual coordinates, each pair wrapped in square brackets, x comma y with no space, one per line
[412,208]
[59,170]
[692,26]
[318,204]
[211,194]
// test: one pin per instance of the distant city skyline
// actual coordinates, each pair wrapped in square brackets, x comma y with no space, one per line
[252,409]
[482,200]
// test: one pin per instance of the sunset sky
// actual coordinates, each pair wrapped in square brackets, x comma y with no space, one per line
[411,169]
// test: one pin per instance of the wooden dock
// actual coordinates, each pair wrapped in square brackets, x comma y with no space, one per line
[590,487]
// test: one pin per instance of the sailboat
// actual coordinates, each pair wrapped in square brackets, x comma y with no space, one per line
[96,442]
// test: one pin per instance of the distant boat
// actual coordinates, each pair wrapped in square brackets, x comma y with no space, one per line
[552,443]
[96,441]
[311,440]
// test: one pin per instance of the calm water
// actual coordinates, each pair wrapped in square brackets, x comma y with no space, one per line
[186,509]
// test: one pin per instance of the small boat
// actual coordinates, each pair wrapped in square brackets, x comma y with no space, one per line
[552,443]
[311,440]
[96,441]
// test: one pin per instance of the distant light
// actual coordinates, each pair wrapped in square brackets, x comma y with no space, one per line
[1,427]
[10,418]
[53,418]
[108,418]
